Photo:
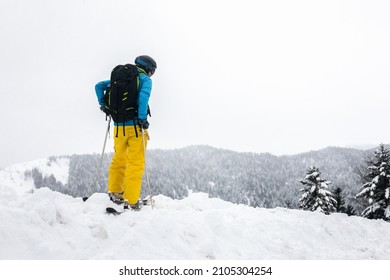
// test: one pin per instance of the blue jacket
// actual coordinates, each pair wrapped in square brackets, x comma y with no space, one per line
[145,89]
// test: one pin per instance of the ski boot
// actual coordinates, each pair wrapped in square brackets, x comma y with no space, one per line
[117,198]
[132,207]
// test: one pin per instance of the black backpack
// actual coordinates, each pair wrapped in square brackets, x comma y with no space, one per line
[121,98]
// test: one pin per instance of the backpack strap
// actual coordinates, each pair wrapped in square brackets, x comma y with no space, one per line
[117,129]
[135,127]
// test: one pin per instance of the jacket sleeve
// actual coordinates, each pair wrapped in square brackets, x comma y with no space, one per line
[100,88]
[143,98]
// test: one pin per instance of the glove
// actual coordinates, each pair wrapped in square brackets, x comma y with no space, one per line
[104,109]
[144,124]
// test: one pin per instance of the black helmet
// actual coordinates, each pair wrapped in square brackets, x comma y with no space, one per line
[146,62]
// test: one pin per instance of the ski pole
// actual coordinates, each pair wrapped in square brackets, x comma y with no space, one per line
[104,147]
[146,169]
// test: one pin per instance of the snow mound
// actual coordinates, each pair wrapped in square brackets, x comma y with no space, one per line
[49,225]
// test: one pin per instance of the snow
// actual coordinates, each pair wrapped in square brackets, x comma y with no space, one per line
[14,174]
[42,224]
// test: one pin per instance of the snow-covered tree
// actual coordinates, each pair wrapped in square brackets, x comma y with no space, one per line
[377,188]
[316,196]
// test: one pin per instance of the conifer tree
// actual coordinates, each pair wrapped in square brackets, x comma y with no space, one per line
[316,196]
[288,204]
[377,188]
[350,211]
[340,203]
[338,196]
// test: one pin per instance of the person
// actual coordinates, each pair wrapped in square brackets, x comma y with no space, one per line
[128,163]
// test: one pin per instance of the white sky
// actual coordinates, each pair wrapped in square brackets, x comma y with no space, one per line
[263,76]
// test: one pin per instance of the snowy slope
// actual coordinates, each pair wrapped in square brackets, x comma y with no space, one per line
[14,174]
[43,224]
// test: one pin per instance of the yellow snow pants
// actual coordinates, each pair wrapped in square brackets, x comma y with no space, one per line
[128,164]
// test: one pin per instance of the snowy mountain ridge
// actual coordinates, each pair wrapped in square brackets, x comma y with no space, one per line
[258,180]
[43,224]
